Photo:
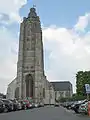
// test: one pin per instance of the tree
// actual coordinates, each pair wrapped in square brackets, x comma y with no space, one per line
[82,78]
[62,99]
[73,98]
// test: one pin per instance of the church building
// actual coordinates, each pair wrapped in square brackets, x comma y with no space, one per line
[31,80]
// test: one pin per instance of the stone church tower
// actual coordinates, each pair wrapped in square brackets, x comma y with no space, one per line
[30,80]
[30,66]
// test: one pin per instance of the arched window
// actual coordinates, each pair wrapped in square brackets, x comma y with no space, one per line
[29,85]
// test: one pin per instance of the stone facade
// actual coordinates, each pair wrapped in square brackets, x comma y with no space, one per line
[31,80]
[49,92]
[63,94]
[11,89]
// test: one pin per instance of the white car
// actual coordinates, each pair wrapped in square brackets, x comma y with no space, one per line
[36,105]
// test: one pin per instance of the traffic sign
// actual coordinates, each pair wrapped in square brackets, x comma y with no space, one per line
[87,87]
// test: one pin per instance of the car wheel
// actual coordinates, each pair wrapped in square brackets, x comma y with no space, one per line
[76,111]
[6,110]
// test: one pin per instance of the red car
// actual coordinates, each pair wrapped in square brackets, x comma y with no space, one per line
[28,104]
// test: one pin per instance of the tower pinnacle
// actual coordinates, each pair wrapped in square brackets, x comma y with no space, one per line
[32,13]
[34,6]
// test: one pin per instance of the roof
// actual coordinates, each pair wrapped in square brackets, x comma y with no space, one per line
[62,86]
[12,81]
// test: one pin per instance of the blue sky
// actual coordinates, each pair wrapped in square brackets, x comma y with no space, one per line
[66,37]
[59,12]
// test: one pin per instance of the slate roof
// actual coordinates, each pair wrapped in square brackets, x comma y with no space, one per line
[62,86]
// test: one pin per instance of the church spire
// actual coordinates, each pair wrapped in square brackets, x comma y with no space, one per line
[32,13]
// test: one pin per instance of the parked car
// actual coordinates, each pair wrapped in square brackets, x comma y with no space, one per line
[64,104]
[31,101]
[2,106]
[69,104]
[8,105]
[36,105]
[16,105]
[19,105]
[77,105]
[33,105]
[84,108]
[23,105]
[28,104]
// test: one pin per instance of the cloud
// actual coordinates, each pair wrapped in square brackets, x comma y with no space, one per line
[9,13]
[11,10]
[82,23]
[8,57]
[70,52]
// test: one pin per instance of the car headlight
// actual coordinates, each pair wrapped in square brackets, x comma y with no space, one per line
[3,105]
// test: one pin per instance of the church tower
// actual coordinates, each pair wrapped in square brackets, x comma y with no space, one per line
[30,65]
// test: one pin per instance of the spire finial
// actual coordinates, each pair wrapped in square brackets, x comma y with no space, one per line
[32,12]
[34,6]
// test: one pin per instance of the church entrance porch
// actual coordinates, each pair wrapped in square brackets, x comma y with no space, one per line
[29,86]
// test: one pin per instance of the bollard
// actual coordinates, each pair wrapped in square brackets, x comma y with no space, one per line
[89,108]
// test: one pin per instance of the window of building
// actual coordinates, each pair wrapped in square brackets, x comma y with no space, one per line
[27,48]
[32,45]
[31,67]
[27,67]
[27,39]
[51,95]
[44,92]
[61,94]
[67,94]
[29,30]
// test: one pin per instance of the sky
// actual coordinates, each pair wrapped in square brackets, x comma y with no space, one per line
[66,37]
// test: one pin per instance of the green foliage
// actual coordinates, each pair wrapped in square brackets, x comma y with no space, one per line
[82,78]
[73,98]
[78,97]
[62,99]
